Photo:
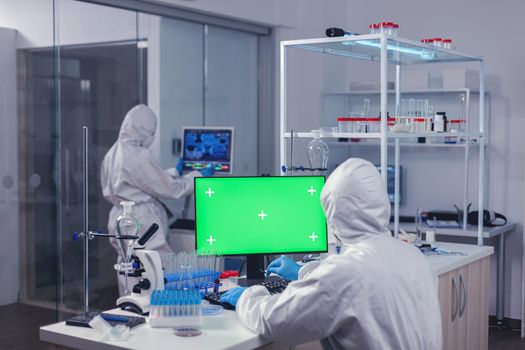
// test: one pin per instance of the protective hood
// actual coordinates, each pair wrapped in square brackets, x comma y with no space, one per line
[139,126]
[355,202]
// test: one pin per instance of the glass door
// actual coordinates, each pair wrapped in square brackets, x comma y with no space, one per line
[102,75]
[68,64]
[28,135]
[231,87]
[109,60]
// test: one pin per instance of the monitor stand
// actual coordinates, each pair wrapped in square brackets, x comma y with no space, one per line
[254,271]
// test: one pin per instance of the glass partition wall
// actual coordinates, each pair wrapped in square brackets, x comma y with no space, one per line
[83,64]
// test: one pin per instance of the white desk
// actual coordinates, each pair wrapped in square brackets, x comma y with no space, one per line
[472,232]
[219,332]
[445,263]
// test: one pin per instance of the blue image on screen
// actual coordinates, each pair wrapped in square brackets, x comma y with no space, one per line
[207,146]
[391,181]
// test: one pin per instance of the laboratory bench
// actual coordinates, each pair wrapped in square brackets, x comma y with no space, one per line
[499,232]
[463,294]
[224,331]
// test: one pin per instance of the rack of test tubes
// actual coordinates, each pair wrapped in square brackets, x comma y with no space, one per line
[180,309]
[414,116]
[191,271]
[188,277]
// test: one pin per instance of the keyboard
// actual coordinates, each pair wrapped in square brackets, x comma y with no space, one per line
[273,286]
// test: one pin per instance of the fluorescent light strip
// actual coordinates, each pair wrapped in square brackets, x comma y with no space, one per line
[426,55]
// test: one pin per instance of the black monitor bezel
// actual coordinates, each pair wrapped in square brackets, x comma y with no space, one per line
[230,129]
[265,177]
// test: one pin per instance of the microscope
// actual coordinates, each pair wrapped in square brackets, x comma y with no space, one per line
[146,266]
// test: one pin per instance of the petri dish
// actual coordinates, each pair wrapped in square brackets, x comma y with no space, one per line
[188,331]
[211,310]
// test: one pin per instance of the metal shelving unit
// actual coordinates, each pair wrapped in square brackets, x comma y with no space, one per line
[391,50]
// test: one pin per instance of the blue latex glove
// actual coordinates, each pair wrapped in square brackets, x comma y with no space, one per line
[180,166]
[209,171]
[232,296]
[284,267]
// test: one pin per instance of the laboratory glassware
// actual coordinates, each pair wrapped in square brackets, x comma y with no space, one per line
[395,29]
[430,113]
[374,125]
[180,309]
[419,225]
[419,125]
[438,42]
[453,127]
[189,270]
[403,108]
[447,44]
[345,124]
[328,130]
[462,116]
[317,152]
[420,107]
[127,225]
[366,108]
[411,108]
[360,125]
[388,28]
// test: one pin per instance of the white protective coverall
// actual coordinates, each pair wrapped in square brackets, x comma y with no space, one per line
[129,172]
[380,293]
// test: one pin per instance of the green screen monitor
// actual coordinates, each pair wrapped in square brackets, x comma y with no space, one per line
[259,215]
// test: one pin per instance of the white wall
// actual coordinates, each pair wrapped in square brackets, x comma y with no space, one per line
[78,23]
[257,11]
[9,251]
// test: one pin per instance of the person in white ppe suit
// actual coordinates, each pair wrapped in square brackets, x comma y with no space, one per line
[129,172]
[379,293]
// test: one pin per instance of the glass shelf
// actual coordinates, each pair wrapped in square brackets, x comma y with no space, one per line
[376,143]
[390,135]
[404,92]
[368,47]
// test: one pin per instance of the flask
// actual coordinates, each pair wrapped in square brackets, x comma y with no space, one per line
[318,153]
[127,225]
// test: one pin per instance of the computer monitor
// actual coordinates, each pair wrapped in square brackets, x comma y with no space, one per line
[202,146]
[254,216]
[391,182]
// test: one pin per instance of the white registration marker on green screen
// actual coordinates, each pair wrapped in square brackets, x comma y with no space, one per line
[260,215]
